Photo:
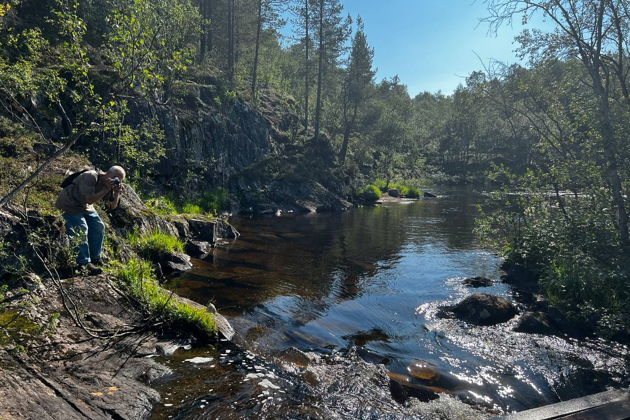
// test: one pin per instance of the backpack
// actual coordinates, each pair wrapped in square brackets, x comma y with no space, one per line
[70,178]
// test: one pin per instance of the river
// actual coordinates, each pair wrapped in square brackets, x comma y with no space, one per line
[361,289]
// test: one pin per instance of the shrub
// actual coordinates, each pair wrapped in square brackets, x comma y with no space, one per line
[215,200]
[413,192]
[381,184]
[152,244]
[369,194]
[138,279]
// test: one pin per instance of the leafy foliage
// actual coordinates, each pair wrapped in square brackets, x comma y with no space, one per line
[369,194]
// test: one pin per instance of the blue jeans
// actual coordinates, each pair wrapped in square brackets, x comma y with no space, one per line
[91,229]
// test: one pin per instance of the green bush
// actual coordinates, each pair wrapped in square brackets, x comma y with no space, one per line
[576,261]
[152,244]
[214,201]
[381,184]
[413,192]
[369,194]
[138,279]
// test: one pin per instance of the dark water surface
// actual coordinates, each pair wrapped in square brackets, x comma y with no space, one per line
[371,280]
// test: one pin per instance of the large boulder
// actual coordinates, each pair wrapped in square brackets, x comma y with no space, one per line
[132,214]
[393,192]
[483,309]
[203,230]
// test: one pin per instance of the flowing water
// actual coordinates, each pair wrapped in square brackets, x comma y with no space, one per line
[360,291]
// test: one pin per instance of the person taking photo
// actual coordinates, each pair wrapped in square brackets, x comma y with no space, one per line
[80,192]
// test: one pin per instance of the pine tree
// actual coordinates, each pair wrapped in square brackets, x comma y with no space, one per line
[359,78]
[332,35]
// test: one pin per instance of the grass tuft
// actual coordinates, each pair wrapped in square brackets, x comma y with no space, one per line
[138,279]
[155,243]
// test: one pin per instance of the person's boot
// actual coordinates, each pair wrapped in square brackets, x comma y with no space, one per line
[98,263]
[91,269]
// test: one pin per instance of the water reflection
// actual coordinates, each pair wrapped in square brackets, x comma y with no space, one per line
[373,278]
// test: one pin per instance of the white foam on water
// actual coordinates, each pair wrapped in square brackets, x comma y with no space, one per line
[199,360]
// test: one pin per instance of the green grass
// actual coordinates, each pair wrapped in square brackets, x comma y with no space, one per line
[404,190]
[161,205]
[191,208]
[210,202]
[155,243]
[138,279]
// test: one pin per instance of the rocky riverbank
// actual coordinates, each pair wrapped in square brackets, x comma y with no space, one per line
[78,346]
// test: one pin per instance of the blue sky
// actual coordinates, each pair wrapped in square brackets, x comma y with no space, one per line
[431,44]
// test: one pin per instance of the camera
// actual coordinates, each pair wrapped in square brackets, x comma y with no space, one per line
[115,180]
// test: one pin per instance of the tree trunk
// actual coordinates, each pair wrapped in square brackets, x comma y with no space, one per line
[231,41]
[203,37]
[320,71]
[610,154]
[346,134]
[258,30]
[307,80]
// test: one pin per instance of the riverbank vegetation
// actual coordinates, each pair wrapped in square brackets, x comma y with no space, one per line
[152,244]
[137,277]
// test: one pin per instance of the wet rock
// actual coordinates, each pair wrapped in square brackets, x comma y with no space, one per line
[174,263]
[429,195]
[393,192]
[198,249]
[423,370]
[225,230]
[536,323]
[297,357]
[553,322]
[483,309]
[477,282]
[361,338]
[167,348]
[401,393]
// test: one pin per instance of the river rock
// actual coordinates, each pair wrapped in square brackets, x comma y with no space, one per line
[536,323]
[393,192]
[198,249]
[423,370]
[477,282]
[483,309]
[175,263]
[297,357]
[428,195]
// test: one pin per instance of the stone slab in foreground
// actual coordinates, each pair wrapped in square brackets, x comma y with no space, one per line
[608,405]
